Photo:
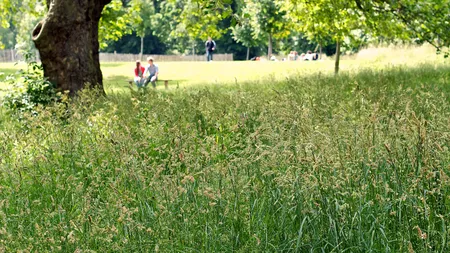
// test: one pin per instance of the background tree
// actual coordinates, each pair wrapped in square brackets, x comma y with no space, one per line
[168,33]
[142,27]
[200,20]
[18,19]
[118,19]
[151,29]
[322,18]
[164,22]
[314,32]
[8,36]
[244,33]
[269,20]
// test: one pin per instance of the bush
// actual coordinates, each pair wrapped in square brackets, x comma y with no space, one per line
[29,88]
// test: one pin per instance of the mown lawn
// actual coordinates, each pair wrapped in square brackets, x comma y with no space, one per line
[358,162]
[187,74]
[6,69]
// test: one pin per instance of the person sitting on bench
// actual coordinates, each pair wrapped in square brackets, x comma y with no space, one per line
[139,79]
[152,71]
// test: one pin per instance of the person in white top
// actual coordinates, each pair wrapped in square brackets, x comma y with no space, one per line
[310,56]
[151,72]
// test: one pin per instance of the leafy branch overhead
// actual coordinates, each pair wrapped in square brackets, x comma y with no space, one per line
[200,19]
[423,21]
[417,20]
[118,19]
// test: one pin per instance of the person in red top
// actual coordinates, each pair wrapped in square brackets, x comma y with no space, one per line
[139,79]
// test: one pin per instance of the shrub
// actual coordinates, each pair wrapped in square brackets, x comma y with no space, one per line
[29,88]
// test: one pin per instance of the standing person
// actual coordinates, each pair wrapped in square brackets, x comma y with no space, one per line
[152,71]
[139,79]
[210,47]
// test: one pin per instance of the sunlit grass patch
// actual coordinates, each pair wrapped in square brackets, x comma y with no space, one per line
[186,74]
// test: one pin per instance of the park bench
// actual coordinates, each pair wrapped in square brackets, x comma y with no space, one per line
[166,82]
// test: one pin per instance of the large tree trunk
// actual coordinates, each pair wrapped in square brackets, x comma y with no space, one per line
[338,57]
[67,40]
[248,53]
[269,53]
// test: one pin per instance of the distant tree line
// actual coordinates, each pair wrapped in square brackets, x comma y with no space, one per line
[164,28]
[130,44]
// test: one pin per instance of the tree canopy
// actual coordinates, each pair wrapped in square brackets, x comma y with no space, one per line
[181,24]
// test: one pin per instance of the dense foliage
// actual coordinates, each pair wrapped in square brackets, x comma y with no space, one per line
[181,27]
[351,163]
[29,89]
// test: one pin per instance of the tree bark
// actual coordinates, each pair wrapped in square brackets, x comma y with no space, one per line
[248,53]
[142,48]
[48,2]
[67,40]
[320,52]
[338,57]
[269,53]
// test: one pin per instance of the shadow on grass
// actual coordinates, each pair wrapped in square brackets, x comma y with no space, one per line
[116,83]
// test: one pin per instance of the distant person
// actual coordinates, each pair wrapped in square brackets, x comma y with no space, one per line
[139,71]
[302,57]
[291,56]
[152,71]
[210,46]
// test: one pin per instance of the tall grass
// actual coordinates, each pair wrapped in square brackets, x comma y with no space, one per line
[354,163]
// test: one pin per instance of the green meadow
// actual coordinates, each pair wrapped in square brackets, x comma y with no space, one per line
[237,157]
